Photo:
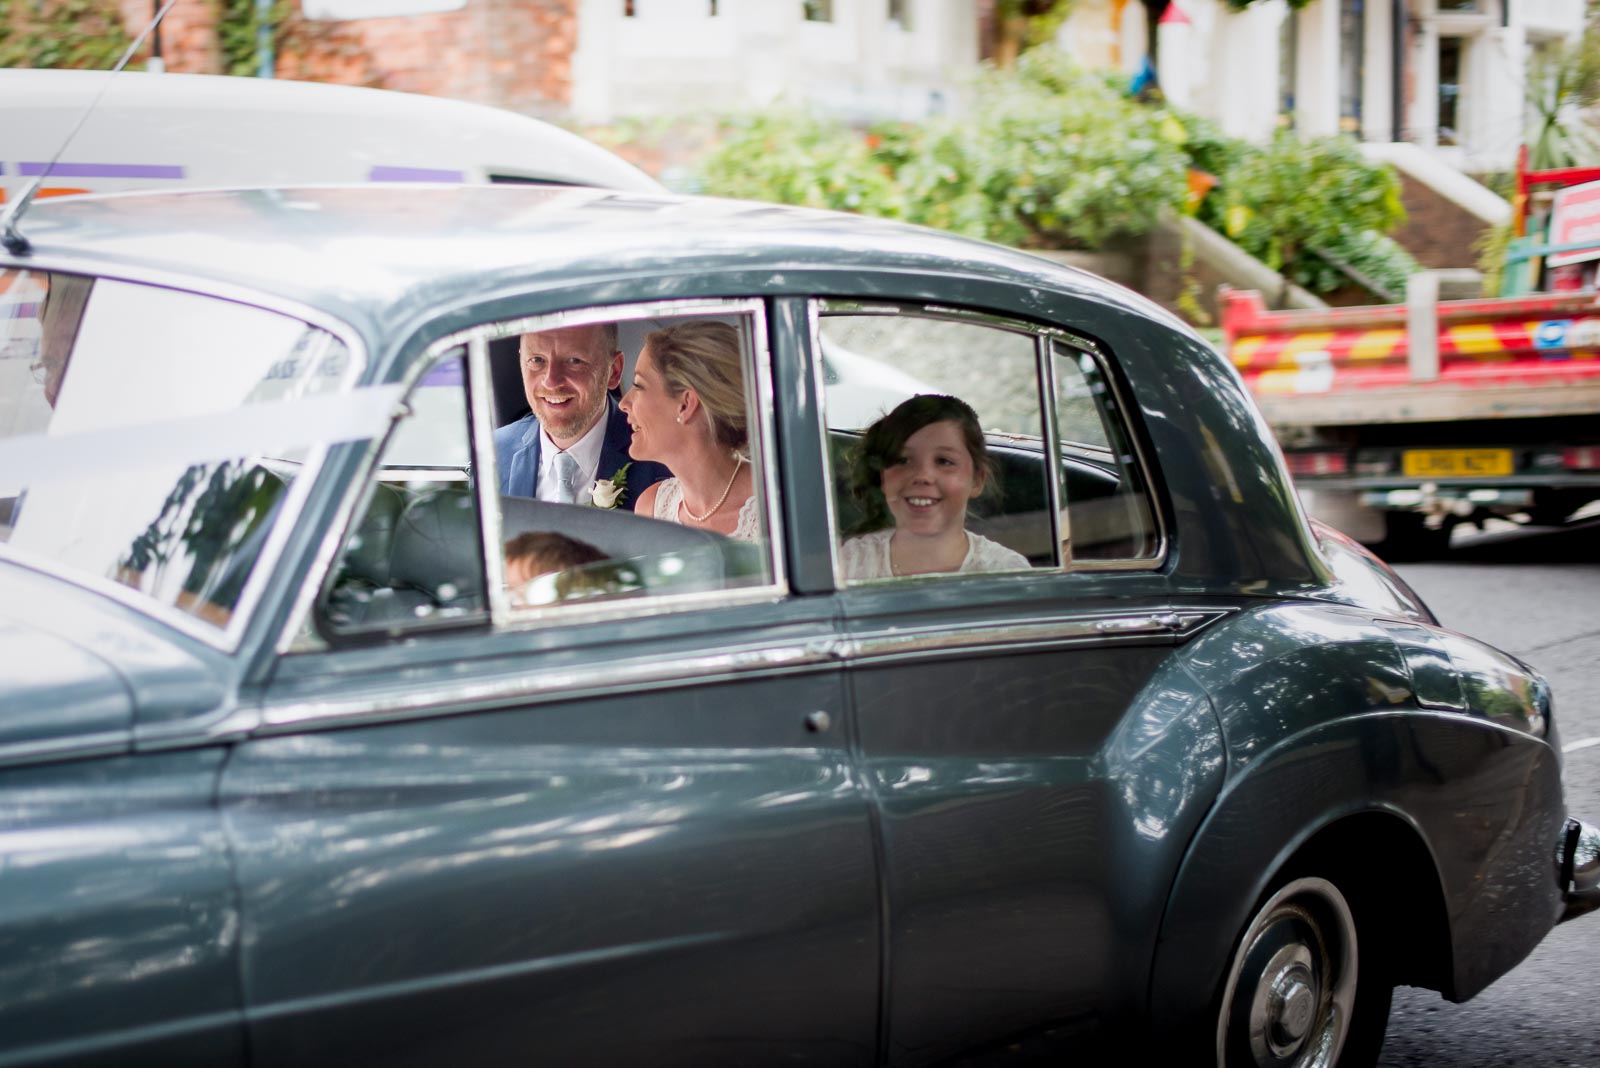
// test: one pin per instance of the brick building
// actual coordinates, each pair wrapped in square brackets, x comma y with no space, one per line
[597,60]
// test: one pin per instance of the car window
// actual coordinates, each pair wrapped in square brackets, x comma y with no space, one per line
[415,556]
[153,437]
[666,497]
[1107,518]
[936,439]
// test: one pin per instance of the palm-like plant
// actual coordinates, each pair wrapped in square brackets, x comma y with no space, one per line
[1563,80]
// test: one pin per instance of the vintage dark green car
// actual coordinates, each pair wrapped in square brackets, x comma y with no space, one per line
[297,767]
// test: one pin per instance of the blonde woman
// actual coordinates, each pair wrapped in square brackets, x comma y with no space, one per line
[686,408]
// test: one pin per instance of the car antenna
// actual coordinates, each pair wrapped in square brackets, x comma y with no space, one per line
[10,236]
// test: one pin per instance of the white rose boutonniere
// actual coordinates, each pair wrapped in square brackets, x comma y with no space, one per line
[609,492]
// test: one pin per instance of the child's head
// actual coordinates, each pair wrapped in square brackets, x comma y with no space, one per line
[540,552]
[922,463]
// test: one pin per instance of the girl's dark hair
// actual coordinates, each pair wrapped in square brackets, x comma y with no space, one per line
[885,441]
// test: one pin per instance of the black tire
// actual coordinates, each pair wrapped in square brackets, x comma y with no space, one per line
[1303,988]
[1406,536]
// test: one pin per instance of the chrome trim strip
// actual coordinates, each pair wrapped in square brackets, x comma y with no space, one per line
[575,612]
[299,633]
[99,744]
[538,687]
[230,726]
[1089,629]
[840,306]
[765,441]
[480,424]
[893,643]
[1143,563]
[819,382]
[1044,353]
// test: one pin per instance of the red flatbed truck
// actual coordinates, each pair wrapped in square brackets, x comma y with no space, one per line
[1400,421]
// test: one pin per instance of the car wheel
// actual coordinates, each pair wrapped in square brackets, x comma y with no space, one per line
[1299,993]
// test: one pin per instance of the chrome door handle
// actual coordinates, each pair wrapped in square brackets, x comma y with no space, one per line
[817,722]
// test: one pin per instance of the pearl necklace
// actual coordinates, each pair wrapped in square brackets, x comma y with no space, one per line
[738,462]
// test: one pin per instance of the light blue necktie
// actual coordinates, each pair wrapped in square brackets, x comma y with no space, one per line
[567,476]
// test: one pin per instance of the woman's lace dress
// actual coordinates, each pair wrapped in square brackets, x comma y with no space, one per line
[669,494]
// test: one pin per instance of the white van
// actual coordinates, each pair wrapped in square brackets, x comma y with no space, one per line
[158,131]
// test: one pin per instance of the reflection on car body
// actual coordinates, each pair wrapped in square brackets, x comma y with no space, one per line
[295,778]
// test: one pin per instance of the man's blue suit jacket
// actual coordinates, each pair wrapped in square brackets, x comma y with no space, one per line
[516,449]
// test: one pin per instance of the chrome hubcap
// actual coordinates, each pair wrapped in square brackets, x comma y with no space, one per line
[1291,986]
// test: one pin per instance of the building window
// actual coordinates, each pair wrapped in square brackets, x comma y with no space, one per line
[1352,61]
[900,13]
[817,10]
[1450,49]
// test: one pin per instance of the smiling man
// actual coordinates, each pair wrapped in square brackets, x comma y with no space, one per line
[574,435]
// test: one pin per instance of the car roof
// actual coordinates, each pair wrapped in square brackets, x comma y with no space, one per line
[376,255]
[205,130]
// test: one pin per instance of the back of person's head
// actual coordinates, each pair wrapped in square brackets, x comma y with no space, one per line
[705,356]
[884,442]
[544,551]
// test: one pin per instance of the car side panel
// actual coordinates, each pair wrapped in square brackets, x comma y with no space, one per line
[118,925]
[1034,804]
[1322,724]
[677,875]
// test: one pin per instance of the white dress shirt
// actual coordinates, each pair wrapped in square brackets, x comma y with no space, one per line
[585,451]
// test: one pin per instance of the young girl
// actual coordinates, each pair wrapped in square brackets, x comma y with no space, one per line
[918,468]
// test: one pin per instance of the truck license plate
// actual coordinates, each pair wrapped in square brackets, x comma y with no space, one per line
[1456,463]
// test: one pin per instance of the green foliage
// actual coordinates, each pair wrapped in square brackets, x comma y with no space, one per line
[1491,247]
[1047,156]
[1057,158]
[1286,201]
[1368,258]
[791,157]
[75,34]
[238,27]
[1562,79]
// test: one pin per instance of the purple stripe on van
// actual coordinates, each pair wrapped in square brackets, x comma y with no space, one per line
[414,174]
[102,170]
[447,373]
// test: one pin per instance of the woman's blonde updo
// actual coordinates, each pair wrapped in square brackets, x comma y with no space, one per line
[704,356]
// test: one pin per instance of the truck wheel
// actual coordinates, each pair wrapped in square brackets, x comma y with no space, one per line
[1301,990]
[1406,536]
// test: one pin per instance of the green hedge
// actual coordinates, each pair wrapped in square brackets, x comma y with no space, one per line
[1050,156]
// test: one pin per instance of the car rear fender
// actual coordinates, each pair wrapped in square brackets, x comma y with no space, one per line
[1443,821]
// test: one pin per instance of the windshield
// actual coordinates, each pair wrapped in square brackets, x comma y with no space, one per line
[150,437]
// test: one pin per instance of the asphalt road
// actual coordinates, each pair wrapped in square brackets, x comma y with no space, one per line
[1535,594]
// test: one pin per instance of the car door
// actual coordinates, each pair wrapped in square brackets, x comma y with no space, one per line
[1016,727]
[610,819]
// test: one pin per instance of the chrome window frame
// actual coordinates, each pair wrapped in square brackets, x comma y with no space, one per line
[229,638]
[1140,460]
[759,393]
[300,633]
[1045,336]
[821,306]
